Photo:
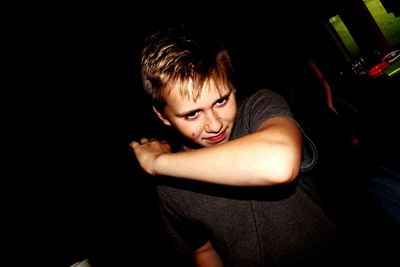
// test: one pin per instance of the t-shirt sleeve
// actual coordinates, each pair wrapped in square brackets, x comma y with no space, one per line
[310,154]
[266,104]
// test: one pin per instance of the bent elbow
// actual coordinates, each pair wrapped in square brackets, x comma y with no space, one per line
[285,177]
[289,175]
[283,174]
[287,168]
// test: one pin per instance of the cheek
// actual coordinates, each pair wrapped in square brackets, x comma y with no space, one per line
[229,114]
[191,130]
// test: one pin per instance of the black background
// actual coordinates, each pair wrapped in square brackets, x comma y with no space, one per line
[78,102]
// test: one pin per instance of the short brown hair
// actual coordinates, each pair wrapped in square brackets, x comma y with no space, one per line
[186,58]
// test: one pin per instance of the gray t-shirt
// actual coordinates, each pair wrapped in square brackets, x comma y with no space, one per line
[263,105]
[252,226]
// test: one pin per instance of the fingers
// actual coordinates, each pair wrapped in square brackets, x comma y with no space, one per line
[162,145]
[144,140]
[133,145]
[165,143]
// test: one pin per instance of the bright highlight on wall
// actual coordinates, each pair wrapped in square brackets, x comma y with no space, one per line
[344,35]
[387,22]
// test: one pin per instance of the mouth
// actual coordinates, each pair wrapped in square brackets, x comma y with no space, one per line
[218,138]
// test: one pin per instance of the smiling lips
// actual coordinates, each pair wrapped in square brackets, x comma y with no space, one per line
[217,138]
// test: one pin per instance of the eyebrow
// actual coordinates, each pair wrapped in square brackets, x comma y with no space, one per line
[198,109]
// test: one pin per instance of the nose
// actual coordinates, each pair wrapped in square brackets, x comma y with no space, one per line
[213,122]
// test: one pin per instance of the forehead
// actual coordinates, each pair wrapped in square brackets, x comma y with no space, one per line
[191,90]
[191,98]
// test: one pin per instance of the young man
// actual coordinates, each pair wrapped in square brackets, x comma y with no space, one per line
[235,193]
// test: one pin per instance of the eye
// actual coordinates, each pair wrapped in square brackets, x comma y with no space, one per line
[222,101]
[191,116]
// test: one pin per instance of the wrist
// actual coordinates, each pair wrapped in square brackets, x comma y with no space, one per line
[157,165]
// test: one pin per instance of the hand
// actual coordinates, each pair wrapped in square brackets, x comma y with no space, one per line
[147,151]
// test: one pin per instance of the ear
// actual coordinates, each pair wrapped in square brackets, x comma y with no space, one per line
[161,116]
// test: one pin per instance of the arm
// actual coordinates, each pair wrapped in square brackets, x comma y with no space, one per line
[206,256]
[325,84]
[269,156]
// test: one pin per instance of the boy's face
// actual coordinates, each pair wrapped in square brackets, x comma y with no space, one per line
[207,121]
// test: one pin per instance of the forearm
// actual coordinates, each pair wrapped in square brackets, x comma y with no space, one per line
[206,256]
[255,159]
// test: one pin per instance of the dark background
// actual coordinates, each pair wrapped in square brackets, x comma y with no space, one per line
[79,102]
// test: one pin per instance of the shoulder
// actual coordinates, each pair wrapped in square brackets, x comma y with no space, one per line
[258,107]
[267,96]
[264,100]
[265,92]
